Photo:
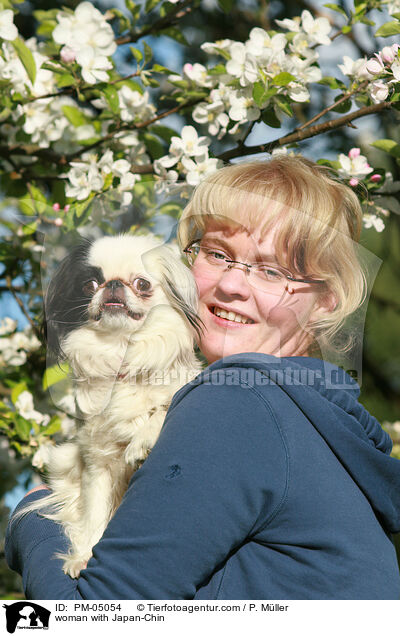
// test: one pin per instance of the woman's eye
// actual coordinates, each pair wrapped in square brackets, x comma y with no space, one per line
[214,255]
[90,287]
[271,273]
[141,285]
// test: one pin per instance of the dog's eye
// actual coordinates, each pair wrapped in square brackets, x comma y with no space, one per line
[90,287]
[141,285]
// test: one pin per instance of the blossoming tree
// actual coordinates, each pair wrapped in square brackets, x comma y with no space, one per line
[94,129]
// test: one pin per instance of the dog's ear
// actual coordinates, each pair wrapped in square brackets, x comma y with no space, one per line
[179,285]
[63,310]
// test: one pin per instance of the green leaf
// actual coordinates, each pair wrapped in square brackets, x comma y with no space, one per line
[346,29]
[389,146]
[388,29]
[150,5]
[171,209]
[269,117]
[54,374]
[74,116]
[22,428]
[133,8]
[219,69]
[332,82]
[175,34]
[111,95]
[154,146]
[259,93]
[335,7]
[17,390]
[137,54]
[157,68]
[283,79]
[26,57]
[225,5]
[344,107]
[148,52]
[163,132]
[284,105]
[29,228]
[52,427]
[65,80]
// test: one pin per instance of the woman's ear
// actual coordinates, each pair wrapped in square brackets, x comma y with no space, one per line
[325,304]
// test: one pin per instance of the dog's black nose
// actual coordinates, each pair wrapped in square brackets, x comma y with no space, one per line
[114,284]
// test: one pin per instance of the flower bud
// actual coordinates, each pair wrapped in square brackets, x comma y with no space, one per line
[353,181]
[67,55]
[354,152]
[388,54]
[375,66]
[375,178]
[56,207]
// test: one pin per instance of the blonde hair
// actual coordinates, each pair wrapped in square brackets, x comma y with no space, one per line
[317,218]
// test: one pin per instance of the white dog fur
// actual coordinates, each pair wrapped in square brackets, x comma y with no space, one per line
[119,339]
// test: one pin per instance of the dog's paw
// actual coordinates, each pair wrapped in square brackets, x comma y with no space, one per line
[73,566]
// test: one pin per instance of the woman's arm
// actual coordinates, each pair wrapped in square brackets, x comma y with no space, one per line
[216,474]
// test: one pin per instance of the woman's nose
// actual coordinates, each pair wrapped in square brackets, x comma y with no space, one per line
[234,281]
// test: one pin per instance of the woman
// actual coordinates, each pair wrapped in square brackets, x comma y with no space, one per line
[269,479]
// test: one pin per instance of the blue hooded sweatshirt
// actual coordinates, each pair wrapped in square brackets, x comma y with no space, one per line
[268,481]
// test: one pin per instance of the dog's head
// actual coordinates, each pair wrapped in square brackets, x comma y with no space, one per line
[113,283]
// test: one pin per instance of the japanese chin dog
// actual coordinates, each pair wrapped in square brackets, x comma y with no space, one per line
[122,312]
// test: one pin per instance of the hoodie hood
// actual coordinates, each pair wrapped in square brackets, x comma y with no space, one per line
[329,399]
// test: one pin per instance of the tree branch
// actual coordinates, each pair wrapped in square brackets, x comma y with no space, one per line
[300,135]
[21,306]
[180,11]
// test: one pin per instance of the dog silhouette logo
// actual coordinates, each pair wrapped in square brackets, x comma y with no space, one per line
[26,615]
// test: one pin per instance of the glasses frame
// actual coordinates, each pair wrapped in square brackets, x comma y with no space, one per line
[248,266]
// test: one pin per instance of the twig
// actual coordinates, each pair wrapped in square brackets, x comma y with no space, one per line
[300,135]
[180,11]
[326,110]
[21,305]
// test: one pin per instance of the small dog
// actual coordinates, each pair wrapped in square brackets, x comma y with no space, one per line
[122,312]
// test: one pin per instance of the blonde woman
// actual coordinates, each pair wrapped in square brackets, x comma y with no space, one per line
[269,479]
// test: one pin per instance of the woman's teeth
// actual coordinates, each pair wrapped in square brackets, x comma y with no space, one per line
[231,315]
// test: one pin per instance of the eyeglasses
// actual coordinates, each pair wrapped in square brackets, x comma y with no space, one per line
[264,276]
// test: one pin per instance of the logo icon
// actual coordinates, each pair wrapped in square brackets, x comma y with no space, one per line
[26,615]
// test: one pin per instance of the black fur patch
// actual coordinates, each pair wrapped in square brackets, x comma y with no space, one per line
[65,305]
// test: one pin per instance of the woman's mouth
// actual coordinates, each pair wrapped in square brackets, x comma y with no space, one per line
[230,316]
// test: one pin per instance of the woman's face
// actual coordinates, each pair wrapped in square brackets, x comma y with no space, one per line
[272,318]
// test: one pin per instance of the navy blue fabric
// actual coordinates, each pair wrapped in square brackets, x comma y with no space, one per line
[269,480]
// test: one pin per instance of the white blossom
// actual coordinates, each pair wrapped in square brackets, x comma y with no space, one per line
[216,47]
[372,220]
[395,68]
[263,46]
[354,164]
[243,107]
[317,29]
[93,65]
[198,74]
[8,30]
[242,65]
[24,406]
[378,91]
[188,144]
[42,456]
[83,179]
[199,168]
[356,69]
[214,116]
[393,6]
[7,326]
[86,27]
[134,105]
